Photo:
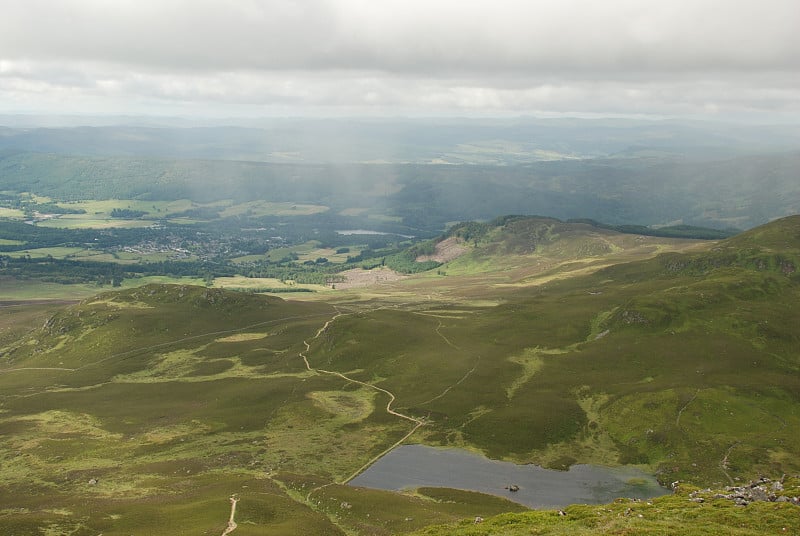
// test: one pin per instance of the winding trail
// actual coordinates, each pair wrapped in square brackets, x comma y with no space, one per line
[464,377]
[680,412]
[392,398]
[130,353]
[37,368]
[449,343]
[724,463]
[439,332]
[231,523]
[417,422]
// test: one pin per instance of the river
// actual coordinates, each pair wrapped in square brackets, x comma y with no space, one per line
[414,466]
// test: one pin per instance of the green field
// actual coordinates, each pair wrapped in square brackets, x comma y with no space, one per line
[144,409]
[99,213]
[153,209]
[11,213]
[55,252]
[84,221]
[258,283]
[267,208]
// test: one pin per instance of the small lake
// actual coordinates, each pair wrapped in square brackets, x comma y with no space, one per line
[414,466]
[348,232]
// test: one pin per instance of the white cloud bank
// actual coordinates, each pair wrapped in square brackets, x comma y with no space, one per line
[409,57]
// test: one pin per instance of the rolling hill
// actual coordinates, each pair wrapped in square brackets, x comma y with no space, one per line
[654,190]
[144,410]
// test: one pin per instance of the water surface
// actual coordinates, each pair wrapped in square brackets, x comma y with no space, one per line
[348,232]
[414,466]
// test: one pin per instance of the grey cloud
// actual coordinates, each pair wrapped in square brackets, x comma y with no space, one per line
[376,93]
[393,56]
[410,35]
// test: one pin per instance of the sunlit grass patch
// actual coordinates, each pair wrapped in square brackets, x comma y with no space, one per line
[55,252]
[268,208]
[531,361]
[446,313]
[74,222]
[369,511]
[167,434]
[470,264]
[185,365]
[56,422]
[166,367]
[124,257]
[11,213]
[124,304]
[241,337]
[241,282]
[303,437]
[263,284]
[593,445]
[276,254]
[45,444]
[161,279]
[60,528]
[351,406]
[152,209]
[597,325]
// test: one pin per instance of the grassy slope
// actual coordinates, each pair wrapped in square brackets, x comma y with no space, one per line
[26,290]
[671,515]
[180,396]
[685,363]
[681,336]
[135,413]
[176,397]
[625,190]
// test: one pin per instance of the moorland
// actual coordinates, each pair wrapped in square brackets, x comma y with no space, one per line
[163,350]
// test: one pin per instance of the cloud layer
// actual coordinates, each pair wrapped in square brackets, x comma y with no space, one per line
[682,57]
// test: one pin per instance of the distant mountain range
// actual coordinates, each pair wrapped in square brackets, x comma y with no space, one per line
[736,192]
[419,141]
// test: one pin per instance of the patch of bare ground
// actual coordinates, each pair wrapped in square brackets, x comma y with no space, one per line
[446,250]
[359,277]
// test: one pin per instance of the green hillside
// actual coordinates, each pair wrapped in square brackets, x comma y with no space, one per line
[142,411]
[635,189]
[689,511]
[634,363]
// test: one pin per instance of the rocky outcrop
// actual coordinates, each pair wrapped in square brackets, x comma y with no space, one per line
[763,490]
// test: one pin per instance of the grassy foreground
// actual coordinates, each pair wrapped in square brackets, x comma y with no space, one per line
[689,511]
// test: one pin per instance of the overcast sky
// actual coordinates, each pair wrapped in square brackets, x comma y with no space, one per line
[700,58]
